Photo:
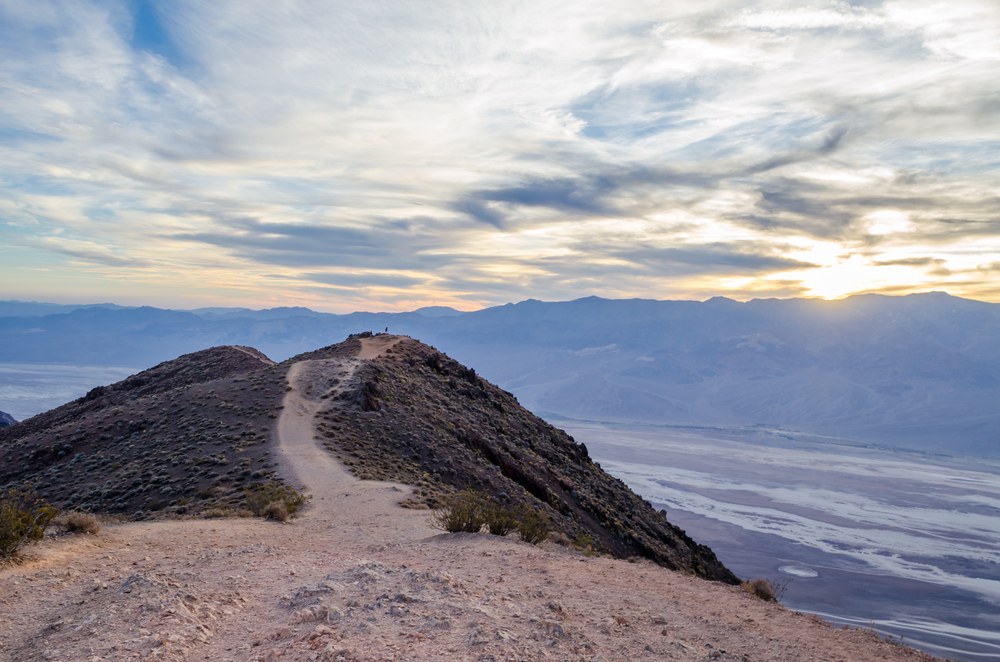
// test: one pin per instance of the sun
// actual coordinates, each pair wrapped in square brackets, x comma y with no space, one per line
[842,279]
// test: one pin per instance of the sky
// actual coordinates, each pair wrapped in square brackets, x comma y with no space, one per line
[390,155]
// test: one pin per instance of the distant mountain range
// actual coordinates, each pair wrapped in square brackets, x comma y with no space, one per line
[919,372]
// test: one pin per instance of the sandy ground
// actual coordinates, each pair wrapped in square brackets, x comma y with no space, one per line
[359,578]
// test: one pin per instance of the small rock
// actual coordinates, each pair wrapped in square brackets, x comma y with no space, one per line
[309,615]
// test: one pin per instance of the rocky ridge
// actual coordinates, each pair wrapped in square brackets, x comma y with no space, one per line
[359,578]
[192,434]
[418,417]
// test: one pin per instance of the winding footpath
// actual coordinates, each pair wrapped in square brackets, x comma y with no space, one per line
[337,497]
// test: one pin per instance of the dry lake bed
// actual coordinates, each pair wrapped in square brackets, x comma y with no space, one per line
[904,543]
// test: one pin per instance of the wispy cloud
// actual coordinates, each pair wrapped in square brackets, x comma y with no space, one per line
[383,155]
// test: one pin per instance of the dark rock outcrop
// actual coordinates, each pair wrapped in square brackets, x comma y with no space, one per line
[6,419]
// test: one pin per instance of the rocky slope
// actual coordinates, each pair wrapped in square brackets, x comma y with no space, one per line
[6,419]
[183,436]
[418,417]
[191,434]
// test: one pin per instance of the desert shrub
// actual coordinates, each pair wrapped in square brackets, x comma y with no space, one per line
[23,518]
[465,512]
[560,538]
[761,588]
[472,512]
[276,511]
[532,525]
[259,497]
[584,542]
[500,519]
[78,522]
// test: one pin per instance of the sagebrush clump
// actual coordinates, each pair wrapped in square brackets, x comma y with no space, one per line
[533,525]
[464,513]
[500,520]
[260,500]
[473,512]
[276,511]
[765,589]
[23,518]
[78,522]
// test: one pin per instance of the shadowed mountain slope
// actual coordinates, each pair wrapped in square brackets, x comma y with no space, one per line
[191,434]
[416,416]
[182,436]
[6,419]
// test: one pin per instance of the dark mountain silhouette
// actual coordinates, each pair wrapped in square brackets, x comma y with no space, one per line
[919,372]
[192,433]
[6,419]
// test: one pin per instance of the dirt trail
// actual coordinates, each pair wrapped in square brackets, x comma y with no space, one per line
[300,457]
[376,345]
[358,578]
[336,495]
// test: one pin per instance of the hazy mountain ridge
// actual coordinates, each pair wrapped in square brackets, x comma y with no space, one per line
[921,371]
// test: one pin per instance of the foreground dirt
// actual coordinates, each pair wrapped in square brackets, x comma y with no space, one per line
[359,578]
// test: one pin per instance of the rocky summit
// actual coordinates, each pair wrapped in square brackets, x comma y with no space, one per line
[192,434]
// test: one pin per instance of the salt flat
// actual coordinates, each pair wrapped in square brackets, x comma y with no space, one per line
[900,541]
[27,389]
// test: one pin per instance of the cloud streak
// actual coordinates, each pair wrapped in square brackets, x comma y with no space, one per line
[261,153]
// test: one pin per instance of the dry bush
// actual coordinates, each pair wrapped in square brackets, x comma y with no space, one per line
[500,520]
[463,513]
[584,542]
[276,511]
[760,588]
[78,522]
[532,525]
[560,538]
[260,497]
[472,512]
[23,518]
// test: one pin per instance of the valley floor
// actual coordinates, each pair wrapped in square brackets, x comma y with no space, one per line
[359,578]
